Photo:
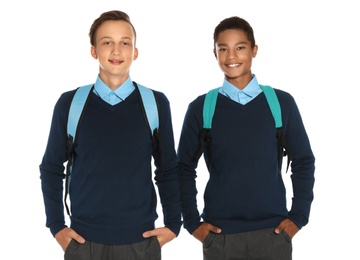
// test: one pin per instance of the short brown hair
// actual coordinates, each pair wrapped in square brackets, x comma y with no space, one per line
[114,15]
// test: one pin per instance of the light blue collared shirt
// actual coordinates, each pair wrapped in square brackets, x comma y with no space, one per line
[110,96]
[243,96]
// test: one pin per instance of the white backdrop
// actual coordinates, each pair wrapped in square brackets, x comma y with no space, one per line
[309,49]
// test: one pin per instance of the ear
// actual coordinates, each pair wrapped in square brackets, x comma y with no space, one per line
[93,52]
[254,51]
[215,53]
[136,53]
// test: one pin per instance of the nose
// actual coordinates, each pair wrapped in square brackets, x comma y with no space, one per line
[116,49]
[231,54]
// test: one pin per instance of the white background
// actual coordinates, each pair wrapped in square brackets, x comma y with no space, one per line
[308,48]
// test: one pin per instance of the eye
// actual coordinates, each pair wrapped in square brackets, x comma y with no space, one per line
[107,43]
[240,48]
[222,49]
[126,43]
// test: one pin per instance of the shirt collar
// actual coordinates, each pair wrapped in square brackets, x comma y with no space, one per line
[122,92]
[252,89]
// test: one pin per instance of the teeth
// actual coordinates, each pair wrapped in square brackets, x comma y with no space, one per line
[233,65]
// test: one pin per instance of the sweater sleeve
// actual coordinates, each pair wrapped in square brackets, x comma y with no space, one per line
[187,150]
[167,171]
[52,167]
[302,164]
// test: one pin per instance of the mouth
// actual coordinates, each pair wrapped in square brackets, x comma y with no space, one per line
[115,61]
[233,65]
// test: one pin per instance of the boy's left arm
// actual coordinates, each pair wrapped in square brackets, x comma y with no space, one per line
[302,166]
[167,173]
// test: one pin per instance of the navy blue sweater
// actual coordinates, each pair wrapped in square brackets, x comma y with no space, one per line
[245,190]
[113,198]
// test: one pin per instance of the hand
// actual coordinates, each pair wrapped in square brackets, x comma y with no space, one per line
[64,236]
[201,232]
[163,235]
[288,226]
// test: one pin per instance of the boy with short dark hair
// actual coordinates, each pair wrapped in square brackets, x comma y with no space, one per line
[113,198]
[245,215]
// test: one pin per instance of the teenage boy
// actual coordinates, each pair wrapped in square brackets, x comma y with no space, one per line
[245,214]
[113,198]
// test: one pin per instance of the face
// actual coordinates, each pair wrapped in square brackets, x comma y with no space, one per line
[234,55]
[115,50]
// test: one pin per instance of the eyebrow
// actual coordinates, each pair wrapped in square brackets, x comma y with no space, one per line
[109,37]
[224,44]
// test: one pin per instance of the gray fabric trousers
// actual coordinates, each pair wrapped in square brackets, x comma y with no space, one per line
[146,250]
[260,245]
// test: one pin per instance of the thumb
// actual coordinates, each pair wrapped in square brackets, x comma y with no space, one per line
[215,229]
[80,239]
[278,229]
[149,233]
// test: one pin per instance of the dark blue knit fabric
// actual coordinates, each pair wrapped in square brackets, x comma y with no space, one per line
[245,190]
[113,197]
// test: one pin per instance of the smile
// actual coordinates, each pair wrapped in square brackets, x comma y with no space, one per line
[233,65]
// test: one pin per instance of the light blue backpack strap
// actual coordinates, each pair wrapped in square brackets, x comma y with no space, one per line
[209,107]
[76,108]
[273,103]
[150,106]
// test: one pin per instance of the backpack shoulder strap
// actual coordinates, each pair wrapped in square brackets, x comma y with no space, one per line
[273,104]
[275,108]
[150,106]
[209,107]
[208,113]
[76,108]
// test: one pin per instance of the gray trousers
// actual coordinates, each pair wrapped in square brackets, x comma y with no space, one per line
[148,249]
[260,245]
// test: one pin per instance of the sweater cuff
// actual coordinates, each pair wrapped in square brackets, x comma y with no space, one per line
[192,227]
[300,212]
[55,228]
[175,228]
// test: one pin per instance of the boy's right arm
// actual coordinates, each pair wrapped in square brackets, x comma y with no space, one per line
[189,144]
[52,167]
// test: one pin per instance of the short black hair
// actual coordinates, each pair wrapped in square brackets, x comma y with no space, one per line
[236,23]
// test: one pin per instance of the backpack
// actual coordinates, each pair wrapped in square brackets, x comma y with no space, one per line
[77,107]
[273,102]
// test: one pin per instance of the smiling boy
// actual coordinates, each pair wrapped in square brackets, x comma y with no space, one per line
[112,194]
[245,213]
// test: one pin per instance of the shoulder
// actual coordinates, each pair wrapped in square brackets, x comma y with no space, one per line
[66,97]
[282,94]
[63,102]
[198,102]
[160,97]
[287,103]
[284,97]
